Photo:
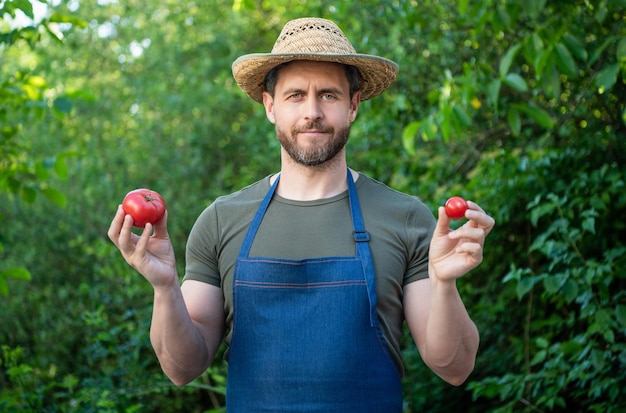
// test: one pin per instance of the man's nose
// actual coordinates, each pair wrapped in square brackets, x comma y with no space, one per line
[313,110]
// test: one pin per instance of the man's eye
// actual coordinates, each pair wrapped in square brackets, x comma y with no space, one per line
[328,96]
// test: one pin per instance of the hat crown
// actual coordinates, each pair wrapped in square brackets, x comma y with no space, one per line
[315,39]
[312,35]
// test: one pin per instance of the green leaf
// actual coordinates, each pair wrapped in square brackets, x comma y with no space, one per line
[515,121]
[462,116]
[408,136]
[4,286]
[599,50]
[534,7]
[589,225]
[621,50]
[539,357]
[63,105]
[620,314]
[56,196]
[565,61]
[551,83]
[17,273]
[41,171]
[571,348]
[516,82]
[537,114]
[533,46]
[70,381]
[36,81]
[493,92]
[65,18]
[603,319]
[540,210]
[429,129]
[25,6]
[60,167]
[541,61]
[553,284]
[570,291]
[601,13]
[576,46]
[28,195]
[507,59]
[503,18]
[445,124]
[55,34]
[542,342]
[597,359]
[524,286]
[242,5]
[83,94]
[607,78]
[462,6]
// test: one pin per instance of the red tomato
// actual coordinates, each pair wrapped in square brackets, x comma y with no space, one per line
[456,207]
[144,206]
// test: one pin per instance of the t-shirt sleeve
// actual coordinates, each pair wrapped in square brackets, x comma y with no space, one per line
[420,225]
[201,252]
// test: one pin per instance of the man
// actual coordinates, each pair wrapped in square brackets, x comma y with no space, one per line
[309,274]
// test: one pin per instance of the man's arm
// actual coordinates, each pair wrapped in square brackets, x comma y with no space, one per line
[446,337]
[187,329]
[188,321]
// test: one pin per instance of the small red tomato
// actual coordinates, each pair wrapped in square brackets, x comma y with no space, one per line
[144,206]
[456,207]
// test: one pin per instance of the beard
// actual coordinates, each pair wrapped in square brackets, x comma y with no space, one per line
[317,153]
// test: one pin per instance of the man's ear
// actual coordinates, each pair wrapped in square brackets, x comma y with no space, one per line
[354,105]
[268,102]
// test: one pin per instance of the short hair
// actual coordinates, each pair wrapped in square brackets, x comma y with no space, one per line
[352,73]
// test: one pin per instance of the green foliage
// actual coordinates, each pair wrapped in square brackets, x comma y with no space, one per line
[517,105]
[98,356]
[25,98]
[547,66]
[569,286]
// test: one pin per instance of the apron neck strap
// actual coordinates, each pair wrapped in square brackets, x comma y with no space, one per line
[360,235]
[256,221]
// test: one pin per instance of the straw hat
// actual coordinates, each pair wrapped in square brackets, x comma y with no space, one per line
[313,39]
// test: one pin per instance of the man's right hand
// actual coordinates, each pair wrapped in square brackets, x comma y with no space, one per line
[151,253]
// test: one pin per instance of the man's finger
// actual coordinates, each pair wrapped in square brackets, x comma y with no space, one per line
[142,244]
[443,222]
[126,233]
[116,225]
[160,227]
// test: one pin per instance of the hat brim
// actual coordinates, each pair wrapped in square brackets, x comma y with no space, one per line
[377,73]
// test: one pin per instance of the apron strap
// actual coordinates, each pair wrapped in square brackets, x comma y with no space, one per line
[256,221]
[361,238]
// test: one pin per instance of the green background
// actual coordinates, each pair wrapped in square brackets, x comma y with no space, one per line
[518,105]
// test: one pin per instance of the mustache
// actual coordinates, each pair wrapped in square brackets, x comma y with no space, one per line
[316,125]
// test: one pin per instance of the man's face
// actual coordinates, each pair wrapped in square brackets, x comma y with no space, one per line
[312,110]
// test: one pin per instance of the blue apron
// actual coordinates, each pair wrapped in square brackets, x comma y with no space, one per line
[306,336]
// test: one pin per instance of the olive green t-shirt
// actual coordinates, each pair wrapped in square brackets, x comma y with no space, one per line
[400,228]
